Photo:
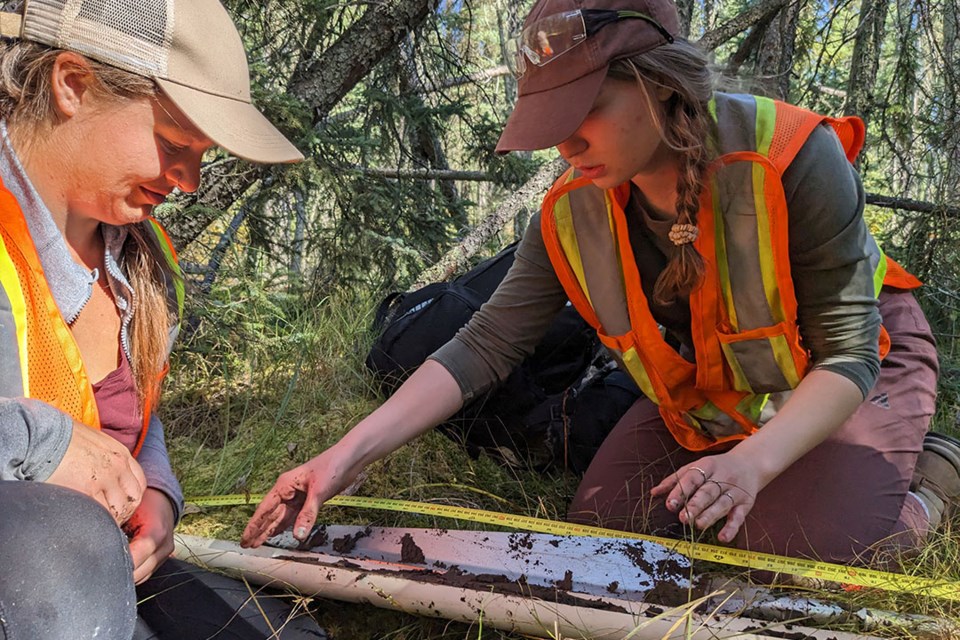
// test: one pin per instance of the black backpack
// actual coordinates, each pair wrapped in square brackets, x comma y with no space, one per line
[412,325]
[533,419]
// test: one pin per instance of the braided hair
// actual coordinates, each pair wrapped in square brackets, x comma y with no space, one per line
[683,69]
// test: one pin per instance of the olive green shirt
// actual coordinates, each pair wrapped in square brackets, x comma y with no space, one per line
[837,310]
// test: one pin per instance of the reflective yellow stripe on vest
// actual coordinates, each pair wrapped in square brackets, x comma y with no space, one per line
[568,237]
[11,285]
[754,272]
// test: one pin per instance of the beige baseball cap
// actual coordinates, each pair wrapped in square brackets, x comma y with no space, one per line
[190,48]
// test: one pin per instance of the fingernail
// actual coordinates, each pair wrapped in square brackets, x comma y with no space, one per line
[301,533]
[672,504]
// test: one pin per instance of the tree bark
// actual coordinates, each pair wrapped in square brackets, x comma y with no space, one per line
[951,99]
[509,23]
[299,233]
[866,59]
[426,145]
[775,60]
[377,32]
[685,10]
[740,23]
[748,46]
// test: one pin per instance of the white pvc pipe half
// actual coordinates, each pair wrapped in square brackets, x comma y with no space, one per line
[620,619]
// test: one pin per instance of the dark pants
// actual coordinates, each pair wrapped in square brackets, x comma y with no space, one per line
[66,573]
[843,501]
[65,569]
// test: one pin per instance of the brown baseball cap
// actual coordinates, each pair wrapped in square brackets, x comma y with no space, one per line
[190,48]
[556,97]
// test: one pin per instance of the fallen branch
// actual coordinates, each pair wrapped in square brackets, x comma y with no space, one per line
[907,204]
[424,174]
[457,258]
[477,76]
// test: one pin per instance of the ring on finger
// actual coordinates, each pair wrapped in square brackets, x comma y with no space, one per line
[702,473]
[719,486]
[732,502]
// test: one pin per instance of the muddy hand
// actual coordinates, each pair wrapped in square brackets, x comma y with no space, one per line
[97,465]
[296,498]
[710,489]
[150,530]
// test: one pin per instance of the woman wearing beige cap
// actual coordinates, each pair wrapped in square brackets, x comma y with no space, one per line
[717,245]
[105,110]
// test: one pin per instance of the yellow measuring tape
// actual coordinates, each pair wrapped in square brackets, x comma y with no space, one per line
[857,576]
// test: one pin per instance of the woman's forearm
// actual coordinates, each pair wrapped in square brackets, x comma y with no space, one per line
[427,398]
[726,485]
[430,396]
[818,406]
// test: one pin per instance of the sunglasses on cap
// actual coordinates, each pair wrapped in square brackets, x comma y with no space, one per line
[549,38]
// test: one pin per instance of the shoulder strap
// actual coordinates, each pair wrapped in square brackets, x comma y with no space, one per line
[170,253]
[794,125]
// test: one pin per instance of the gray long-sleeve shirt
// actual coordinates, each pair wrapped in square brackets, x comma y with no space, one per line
[35,435]
[837,310]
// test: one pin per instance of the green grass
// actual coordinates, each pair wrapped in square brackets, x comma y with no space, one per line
[258,388]
[261,384]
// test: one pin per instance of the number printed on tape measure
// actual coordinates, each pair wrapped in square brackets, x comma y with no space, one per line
[857,576]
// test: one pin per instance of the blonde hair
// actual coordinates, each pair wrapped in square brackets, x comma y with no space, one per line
[684,69]
[25,102]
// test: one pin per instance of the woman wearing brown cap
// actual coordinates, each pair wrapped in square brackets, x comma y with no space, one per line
[716,243]
[105,110]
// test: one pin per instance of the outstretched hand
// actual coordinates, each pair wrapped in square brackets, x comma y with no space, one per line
[297,496]
[712,488]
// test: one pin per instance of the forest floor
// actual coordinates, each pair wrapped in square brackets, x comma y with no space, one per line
[259,385]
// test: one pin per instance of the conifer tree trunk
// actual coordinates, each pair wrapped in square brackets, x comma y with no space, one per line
[951,128]
[898,120]
[299,234]
[866,59]
[776,50]
[426,146]
[685,9]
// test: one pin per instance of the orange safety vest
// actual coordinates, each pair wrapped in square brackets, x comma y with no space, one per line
[51,367]
[747,344]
